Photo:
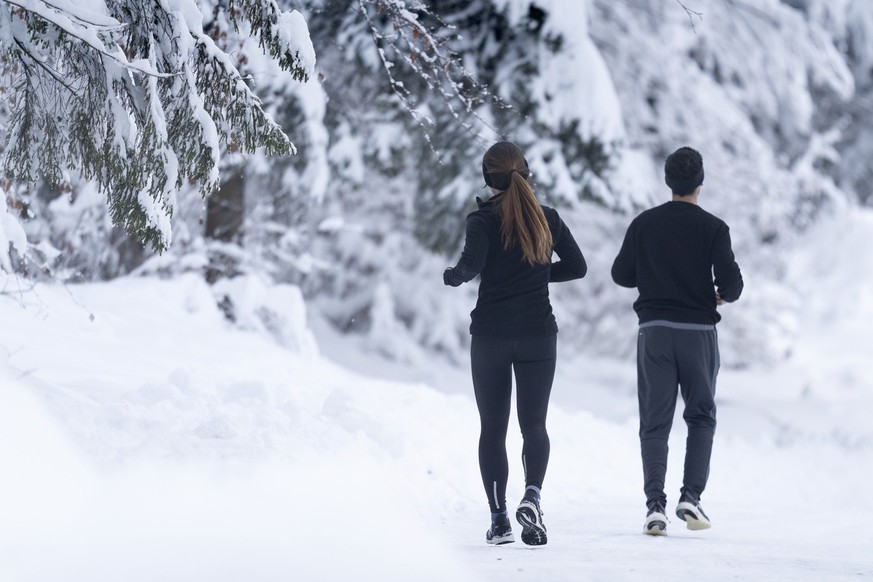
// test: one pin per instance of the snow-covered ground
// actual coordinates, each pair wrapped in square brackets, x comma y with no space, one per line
[143,437]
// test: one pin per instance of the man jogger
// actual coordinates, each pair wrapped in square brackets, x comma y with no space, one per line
[680,259]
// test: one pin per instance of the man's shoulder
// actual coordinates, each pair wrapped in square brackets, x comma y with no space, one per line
[665,210]
[712,219]
[652,214]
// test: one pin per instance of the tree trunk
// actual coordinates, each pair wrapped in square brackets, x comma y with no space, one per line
[225,210]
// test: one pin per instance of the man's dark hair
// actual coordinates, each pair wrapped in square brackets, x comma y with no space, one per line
[683,171]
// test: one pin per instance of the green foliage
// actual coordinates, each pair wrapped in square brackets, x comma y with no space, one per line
[586,157]
[505,58]
[143,107]
[263,16]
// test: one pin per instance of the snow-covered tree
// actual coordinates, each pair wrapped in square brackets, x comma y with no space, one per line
[137,97]
[408,95]
[402,143]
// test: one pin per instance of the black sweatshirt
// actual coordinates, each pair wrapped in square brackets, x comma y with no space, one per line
[513,295]
[670,253]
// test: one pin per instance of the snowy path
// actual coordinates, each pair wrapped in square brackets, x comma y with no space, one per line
[604,548]
[157,442]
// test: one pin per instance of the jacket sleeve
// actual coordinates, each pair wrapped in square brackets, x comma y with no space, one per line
[624,268]
[728,279]
[473,256]
[572,263]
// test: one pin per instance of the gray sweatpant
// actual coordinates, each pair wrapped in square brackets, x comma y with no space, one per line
[673,354]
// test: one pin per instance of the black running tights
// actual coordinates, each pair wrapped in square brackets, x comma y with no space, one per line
[493,360]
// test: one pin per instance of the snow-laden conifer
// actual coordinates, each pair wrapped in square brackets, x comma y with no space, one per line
[137,96]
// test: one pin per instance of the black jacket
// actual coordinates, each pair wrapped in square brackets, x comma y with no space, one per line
[670,254]
[513,295]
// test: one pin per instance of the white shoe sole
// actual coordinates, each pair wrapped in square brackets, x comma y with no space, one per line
[656,525]
[533,532]
[694,519]
[499,541]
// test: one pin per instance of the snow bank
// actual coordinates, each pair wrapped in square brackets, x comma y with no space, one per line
[11,235]
[150,443]
[277,310]
[198,521]
[146,437]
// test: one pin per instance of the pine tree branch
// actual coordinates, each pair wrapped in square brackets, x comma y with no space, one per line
[114,26]
[54,74]
[64,23]
[264,19]
[140,135]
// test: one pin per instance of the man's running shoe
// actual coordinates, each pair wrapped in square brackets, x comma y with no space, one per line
[530,516]
[691,513]
[500,531]
[656,520]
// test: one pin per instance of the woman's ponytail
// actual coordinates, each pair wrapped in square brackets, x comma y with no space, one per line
[522,221]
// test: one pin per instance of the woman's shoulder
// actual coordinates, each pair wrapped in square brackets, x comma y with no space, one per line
[483,218]
[549,211]
[553,219]
[552,216]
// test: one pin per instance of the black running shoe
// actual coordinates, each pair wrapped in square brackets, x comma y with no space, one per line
[500,531]
[530,516]
[691,513]
[656,520]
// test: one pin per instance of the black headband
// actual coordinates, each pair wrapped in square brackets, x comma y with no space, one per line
[686,186]
[502,180]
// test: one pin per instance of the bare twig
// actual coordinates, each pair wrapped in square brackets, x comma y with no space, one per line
[427,55]
[691,14]
[17,294]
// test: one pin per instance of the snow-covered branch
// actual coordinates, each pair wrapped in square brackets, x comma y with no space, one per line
[134,95]
[423,50]
[81,29]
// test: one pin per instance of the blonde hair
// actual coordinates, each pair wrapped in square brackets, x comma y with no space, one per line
[522,221]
